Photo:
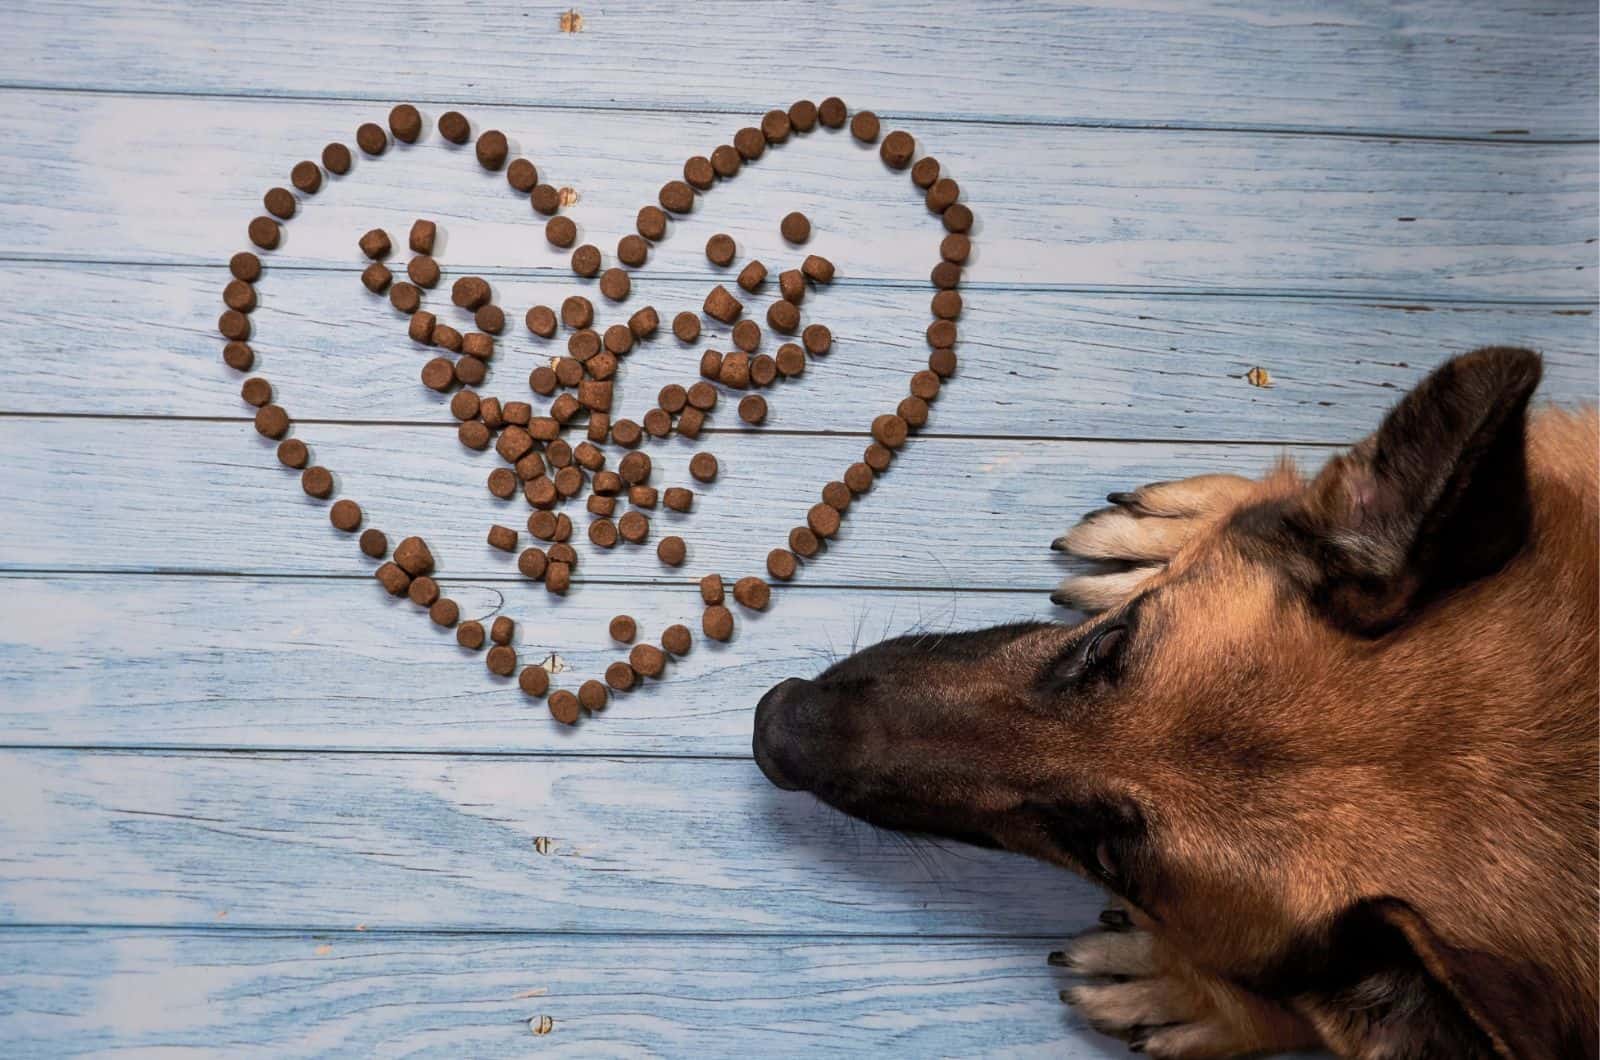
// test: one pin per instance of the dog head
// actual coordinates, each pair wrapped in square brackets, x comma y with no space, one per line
[1284,736]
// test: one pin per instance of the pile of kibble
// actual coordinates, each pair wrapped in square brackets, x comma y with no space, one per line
[539,462]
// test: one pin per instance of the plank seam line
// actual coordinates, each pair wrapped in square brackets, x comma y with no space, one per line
[226,751]
[554,272]
[291,931]
[931,117]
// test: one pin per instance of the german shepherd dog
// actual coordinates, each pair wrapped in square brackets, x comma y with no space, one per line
[1331,744]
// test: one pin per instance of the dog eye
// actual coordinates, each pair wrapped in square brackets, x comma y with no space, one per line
[1104,645]
[1096,655]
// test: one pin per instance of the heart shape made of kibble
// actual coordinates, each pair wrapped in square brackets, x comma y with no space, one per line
[539,461]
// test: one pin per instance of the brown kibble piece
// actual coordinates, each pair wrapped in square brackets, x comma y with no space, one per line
[238,356]
[376,278]
[623,629]
[394,580]
[503,538]
[271,421]
[858,477]
[753,409]
[735,370]
[503,482]
[795,226]
[647,660]
[752,276]
[703,466]
[405,297]
[722,305]
[453,126]
[420,327]
[635,468]
[345,515]
[864,126]
[698,173]
[642,496]
[672,551]
[677,498]
[522,175]
[955,247]
[925,172]
[577,312]
[791,360]
[942,333]
[753,593]
[422,236]
[750,144]
[947,305]
[672,398]
[711,588]
[720,250]
[473,434]
[817,338]
[531,562]
[618,339]
[406,123]
[439,374]
[803,542]
[423,591]
[564,706]
[240,296]
[781,564]
[444,612]
[676,197]
[336,159]
[502,629]
[490,319]
[603,533]
[913,410]
[711,364]
[763,370]
[245,266]
[292,452]
[775,126]
[501,660]
[747,335]
[632,251]
[658,423]
[837,495]
[726,161]
[545,199]
[306,177]
[783,317]
[620,676]
[592,695]
[470,635]
[492,149]
[792,285]
[890,430]
[677,639]
[925,385]
[686,326]
[423,271]
[690,422]
[803,115]
[541,320]
[634,527]
[470,292]
[586,260]
[371,138]
[644,323]
[560,231]
[375,244]
[256,391]
[374,543]
[823,519]
[942,363]
[413,556]
[651,222]
[264,233]
[615,285]
[958,218]
[817,269]
[626,433]
[534,681]
[717,622]
[877,457]
[941,195]
[832,112]
[447,338]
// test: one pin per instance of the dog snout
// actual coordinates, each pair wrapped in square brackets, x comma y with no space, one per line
[778,729]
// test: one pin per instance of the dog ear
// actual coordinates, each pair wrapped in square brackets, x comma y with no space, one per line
[1467,998]
[1436,498]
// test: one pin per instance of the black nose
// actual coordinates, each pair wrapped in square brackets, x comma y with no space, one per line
[774,742]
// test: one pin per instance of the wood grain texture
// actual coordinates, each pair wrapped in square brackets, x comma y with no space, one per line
[164,495]
[286,663]
[376,994]
[1082,207]
[1038,363]
[436,842]
[1429,66]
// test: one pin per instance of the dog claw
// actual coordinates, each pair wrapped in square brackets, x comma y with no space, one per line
[1121,497]
[1059,959]
[1059,544]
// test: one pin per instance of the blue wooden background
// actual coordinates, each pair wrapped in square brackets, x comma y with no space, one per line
[248,804]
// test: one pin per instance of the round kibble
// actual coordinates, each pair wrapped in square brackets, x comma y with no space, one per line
[672,551]
[791,360]
[503,538]
[711,588]
[279,202]
[345,515]
[698,173]
[586,260]
[750,144]
[626,433]
[503,483]
[897,149]
[711,365]
[603,533]
[817,338]
[947,305]
[374,543]
[836,495]
[945,276]
[672,397]
[644,323]
[958,218]
[690,422]
[781,564]
[864,126]
[490,319]
[423,591]
[444,612]
[913,410]
[531,562]
[592,695]
[292,452]
[753,593]
[753,409]
[245,266]
[955,247]
[942,363]
[541,320]
[783,317]
[376,278]
[405,297]
[720,250]
[447,338]
[413,556]
[422,236]
[717,622]
[817,269]
[406,123]
[703,466]
[942,194]
[676,639]
[564,707]
[877,457]
[317,481]
[522,175]
[647,660]
[238,356]
[577,312]
[925,385]
[658,423]
[423,271]
[775,126]
[371,138]
[239,295]
[502,630]
[677,498]
[890,430]
[726,161]
[925,172]
[624,629]
[264,232]
[635,468]
[763,370]
[795,226]
[620,676]
[823,519]
[470,292]
[474,434]
[858,477]
[394,580]
[632,251]
[438,374]
[634,528]
[615,285]
[256,391]
[752,276]
[942,333]
[747,335]
[651,222]
[453,126]
[803,115]
[501,660]
[560,231]
[735,370]
[306,177]
[272,421]
[642,496]
[803,542]
[545,199]
[336,159]
[492,149]
[470,635]
[676,197]
[686,326]
[534,681]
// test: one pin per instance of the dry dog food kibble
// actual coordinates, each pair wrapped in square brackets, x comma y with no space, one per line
[501,660]
[913,410]
[292,452]
[545,199]
[947,305]
[306,177]
[245,266]
[634,527]
[753,409]
[717,622]
[925,172]
[271,421]
[592,695]
[532,561]
[371,138]
[763,370]
[615,285]
[858,477]
[676,197]
[474,434]
[642,496]
[345,515]
[752,276]
[792,285]
[890,430]
[469,292]
[651,222]
[803,542]
[376,278]
[492,149]
[423,271]
[958,218]
[750,144]
[817,269]
[747,335]
[955,247]
[941,334]
[735,370]
[470,635]
[836,495]
[703,396]
[686,326]
[697,172]
[877,457]
[522,175]
[424,591]
[406,123]
[503,538]
[832,112]
[534,681]
[375,244]
[677,639]
[444,612]
[644,323]
[238,356]
[720,250]
[623,629]
[626,433]
[775,126]
[263,232]
[781,564]
[796,227]
[791,360]
[703,466]
[394,580]
[672,551]
[658,423]
[783,317]
[503,483]
[453,126]
[725,161]
[586,260]
[413,556]
[722,305]
[256,391]
[239,295]
[942,363]
[405,297]
[374,543]
[603,533]
[817,338]
[577,312]
[439,374]
[620,676]
[447,337]
[942,195]
[864,126]
[560,231]
[753,593]
[823,519]
[945,276]
[803,115]
[711,588]
[647,660]
[336,159]
[678,499]
[502,630]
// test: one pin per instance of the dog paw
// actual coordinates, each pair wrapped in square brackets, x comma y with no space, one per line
[1140,532]
[1136,992]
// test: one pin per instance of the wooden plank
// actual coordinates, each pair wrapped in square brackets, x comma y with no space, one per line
[1436,66]
[436,842]
[82,992]
[1040,363]
[199,496]
[315,663]
[1102,208]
